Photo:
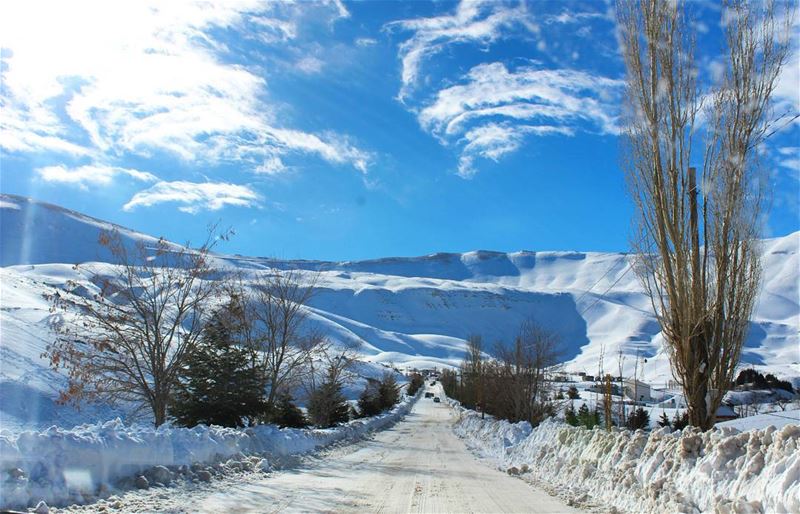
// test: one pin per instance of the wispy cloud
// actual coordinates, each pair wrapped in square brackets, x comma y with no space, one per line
[790,159]
[495,140]
[474,21]
[310,65]
[494,108]
[151,78]
[491,90]
[90,175]
[489,111]
[366,41]
[194,197]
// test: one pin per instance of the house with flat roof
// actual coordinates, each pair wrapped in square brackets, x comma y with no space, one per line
[636,390]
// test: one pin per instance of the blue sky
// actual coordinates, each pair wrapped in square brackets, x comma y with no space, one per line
[339,130]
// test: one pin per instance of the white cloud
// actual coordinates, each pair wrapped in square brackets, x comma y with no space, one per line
[90,175]
[272,165]
[490,90]
[558,102]
[366,41]
[493,141]
[568,17]
[195,197]
[310,65]
[790,159]
[488,112]
[143,77]
[474,21]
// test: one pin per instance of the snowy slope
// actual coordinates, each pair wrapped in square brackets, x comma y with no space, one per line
[406,311]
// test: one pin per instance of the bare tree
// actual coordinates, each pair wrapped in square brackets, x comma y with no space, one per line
[282,342]
[697,239]
[130,339]
[475,366]
[330,361]
[522,369]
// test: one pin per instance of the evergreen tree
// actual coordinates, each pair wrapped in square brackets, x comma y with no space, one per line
[663,421]
[588,419]
[369,403]
[388,391]
[218,384]
[638,419]
[572,393]
[570,417]
[680,422]
[415,384]
[327,406]
[287,414]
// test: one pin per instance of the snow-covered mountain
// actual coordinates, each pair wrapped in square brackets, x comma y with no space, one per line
[407,311]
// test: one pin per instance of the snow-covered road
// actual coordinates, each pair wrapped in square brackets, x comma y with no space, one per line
[418,465]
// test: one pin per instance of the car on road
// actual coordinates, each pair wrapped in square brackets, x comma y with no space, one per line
[428,395]
[436,399]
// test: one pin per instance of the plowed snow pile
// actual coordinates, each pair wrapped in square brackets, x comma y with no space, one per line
[721,471]
[71,466]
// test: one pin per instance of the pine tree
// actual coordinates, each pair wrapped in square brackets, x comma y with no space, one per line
[415,384]
[287,414]
[679,422]
[663,421]
[217,384]
[388,391]
[369,403]
[572,393]
[588,419]
[327,406]
[638,419]
[570,417]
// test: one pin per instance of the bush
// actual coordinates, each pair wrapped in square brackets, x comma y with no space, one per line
[573,394]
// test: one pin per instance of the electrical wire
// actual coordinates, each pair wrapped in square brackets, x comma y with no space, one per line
[600,297]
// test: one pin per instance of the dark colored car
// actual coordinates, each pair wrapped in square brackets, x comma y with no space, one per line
[437,400]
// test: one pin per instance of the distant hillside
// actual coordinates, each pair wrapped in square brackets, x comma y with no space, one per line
[411,311]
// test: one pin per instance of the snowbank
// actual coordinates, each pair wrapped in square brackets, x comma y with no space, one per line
[59,466]
[721,471]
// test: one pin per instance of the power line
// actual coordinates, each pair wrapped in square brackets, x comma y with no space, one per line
[614,265]
[606,291]
[797,419]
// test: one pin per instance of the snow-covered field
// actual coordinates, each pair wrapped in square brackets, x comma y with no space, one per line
[411,312]
[723,471]
[61,466]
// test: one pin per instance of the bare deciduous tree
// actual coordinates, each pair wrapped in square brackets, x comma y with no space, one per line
[476,367]
[130,339]
[523,367]
[282,343]
[697,239]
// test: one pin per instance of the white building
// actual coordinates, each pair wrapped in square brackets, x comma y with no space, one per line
[636,390]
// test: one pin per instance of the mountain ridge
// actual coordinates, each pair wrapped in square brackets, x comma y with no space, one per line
[411,311]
